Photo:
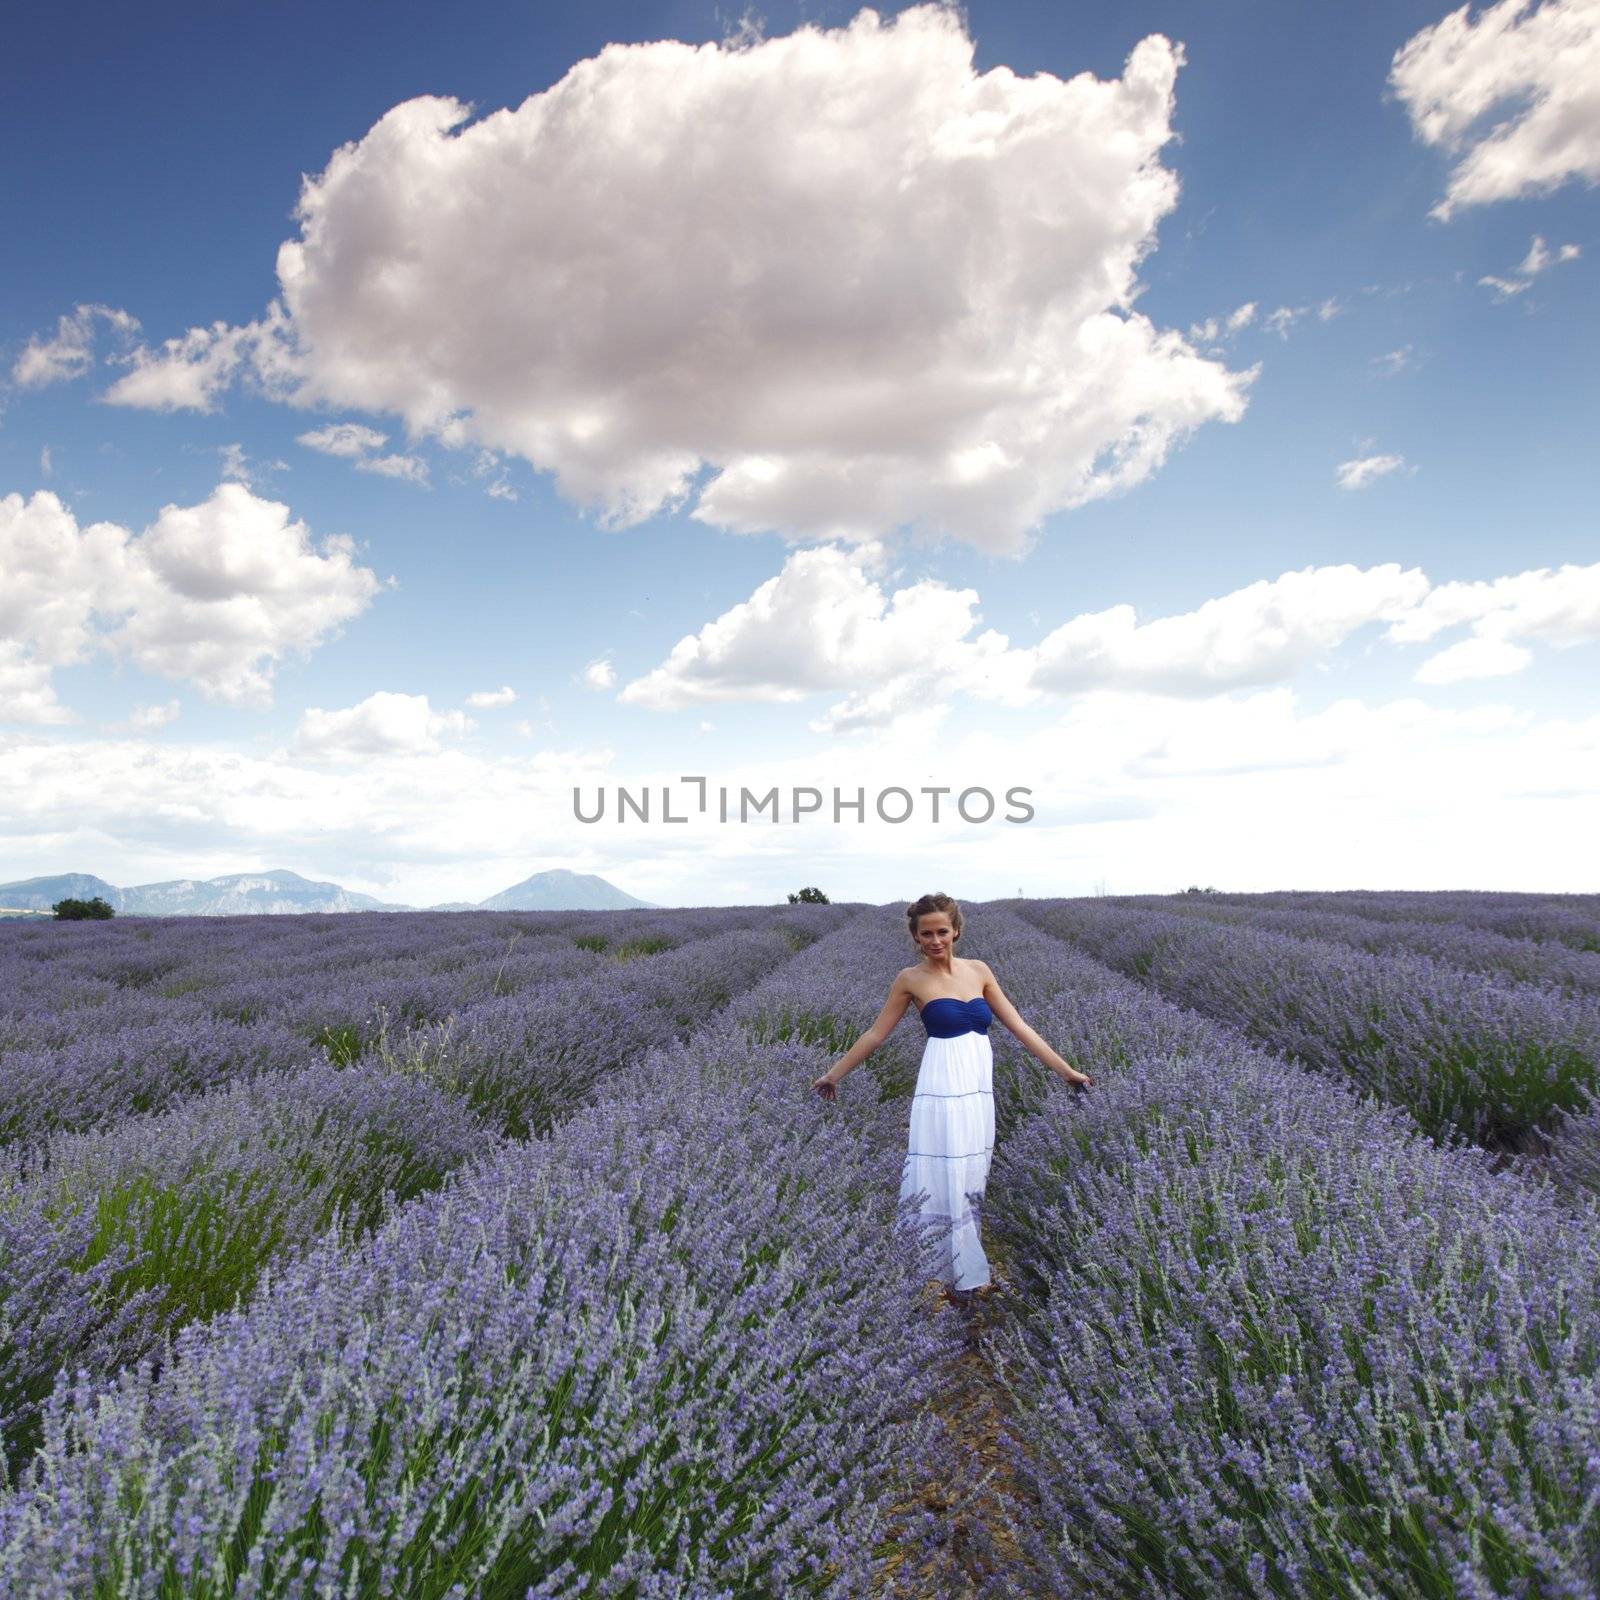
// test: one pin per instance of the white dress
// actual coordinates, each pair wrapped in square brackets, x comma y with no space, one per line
[952,1134]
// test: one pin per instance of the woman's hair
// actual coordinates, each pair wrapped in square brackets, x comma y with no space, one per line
[933,902]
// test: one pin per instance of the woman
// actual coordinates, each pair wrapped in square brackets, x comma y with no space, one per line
[952,1110]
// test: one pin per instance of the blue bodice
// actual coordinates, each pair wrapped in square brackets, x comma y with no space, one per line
[945,1018]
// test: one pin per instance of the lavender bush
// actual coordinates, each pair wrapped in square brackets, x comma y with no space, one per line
[1571,919]
[673,1349]
[1282,1345]
[1505,957]
[1466,1056]
[111,1241]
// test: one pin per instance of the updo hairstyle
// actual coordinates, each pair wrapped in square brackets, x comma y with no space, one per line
[934,902]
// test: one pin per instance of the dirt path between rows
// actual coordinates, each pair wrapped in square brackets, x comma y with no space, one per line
[980,1556]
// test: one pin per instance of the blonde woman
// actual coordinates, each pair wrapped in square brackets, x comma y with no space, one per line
[952,1110]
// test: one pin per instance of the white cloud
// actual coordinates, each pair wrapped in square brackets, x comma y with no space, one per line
[1260,634]
[26,693]
[487,699]
[348,440]
[824,624]
[189,373]
[1543,61]
[1393,362]
[599,674]
[45,466]
[1558,608]
[864,285]
[1504,288]
[1357,474]
[384,724]
[1283,319]
[1211,330]
[70,353]
[1538,258]
[353,442]
[412,469]
[214,593]
[244,469]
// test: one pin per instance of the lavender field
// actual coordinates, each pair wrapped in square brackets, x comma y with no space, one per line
[510,1254]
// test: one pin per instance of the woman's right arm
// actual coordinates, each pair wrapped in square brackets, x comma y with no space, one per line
[883,1025]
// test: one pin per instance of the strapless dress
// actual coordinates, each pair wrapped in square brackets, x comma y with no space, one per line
[951,1137]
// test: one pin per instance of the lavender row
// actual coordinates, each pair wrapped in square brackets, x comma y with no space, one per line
[523,1060]
[114,1240]
[672,1349]
[1503,957]
[1571,919]
[1278,1343]
[111,1241]
[1465,1056]
[141,1052]
[247,967]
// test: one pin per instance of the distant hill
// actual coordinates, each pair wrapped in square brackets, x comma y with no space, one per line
[244,894]
[560,890]
[281,893]
[39,894]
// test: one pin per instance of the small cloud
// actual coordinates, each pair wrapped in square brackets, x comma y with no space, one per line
[410,469]
[70,354]
[1393,362]
[1537,260]
[384,724]
[485,699]
[1329,309]
[45,468]
[599,674]
[491,463]
[1540,62]
[351,441]
[346,440]
[1242,317]
[1504,288]
[1363,470]
[1283,319]
[1538,257]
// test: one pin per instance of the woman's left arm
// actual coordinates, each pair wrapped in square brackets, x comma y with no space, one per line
[1032,1043]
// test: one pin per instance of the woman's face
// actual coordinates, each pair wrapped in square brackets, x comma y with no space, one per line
[935,935]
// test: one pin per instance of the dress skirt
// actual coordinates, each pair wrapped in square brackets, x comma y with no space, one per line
[948,1151]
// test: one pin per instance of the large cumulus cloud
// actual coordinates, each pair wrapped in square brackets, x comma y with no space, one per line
[832,284]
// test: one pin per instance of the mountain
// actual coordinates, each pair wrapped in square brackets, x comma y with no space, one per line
[560,890]
[286,893]
[246,894]
[39,894]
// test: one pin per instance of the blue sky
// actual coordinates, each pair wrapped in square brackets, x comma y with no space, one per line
[1183,412]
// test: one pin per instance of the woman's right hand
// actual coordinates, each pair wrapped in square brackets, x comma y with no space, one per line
[825,1086]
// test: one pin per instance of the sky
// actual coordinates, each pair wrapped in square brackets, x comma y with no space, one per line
[421,426]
